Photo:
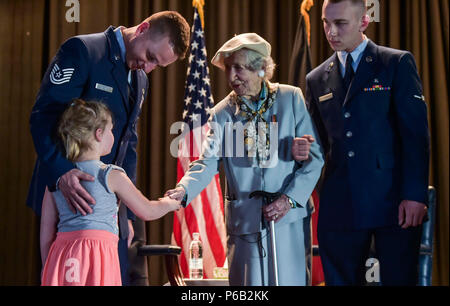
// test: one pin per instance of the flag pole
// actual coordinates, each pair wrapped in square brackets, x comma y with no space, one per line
[204,214]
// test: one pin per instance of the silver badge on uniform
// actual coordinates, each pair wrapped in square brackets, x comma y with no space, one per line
[60,76]
[142,98]
[420,97]
[104,87]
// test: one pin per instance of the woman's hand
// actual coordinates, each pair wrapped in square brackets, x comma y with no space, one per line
[277,209]
[176,194]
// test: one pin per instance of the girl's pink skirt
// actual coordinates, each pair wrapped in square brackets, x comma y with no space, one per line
[83,258]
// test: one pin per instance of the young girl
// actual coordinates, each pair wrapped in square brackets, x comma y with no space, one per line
[84,251]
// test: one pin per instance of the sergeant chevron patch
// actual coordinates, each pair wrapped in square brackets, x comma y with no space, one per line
[60,76]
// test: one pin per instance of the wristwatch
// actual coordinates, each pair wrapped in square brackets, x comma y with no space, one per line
[183,201]
[292,203]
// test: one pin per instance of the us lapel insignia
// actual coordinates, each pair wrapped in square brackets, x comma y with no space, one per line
[369,59]
[330,66]
[326,97]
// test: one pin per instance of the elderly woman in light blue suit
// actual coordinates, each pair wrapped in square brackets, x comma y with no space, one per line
[252,132]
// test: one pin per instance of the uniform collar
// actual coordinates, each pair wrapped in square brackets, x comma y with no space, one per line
[123,50]
[355,54]
[121,42]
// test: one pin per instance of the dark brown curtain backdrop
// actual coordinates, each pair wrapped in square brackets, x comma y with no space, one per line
[32,31]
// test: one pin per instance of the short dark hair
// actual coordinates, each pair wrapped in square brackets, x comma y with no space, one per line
[362,3]
[174,25]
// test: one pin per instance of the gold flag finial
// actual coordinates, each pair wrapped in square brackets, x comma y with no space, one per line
[198,4]
[304,9]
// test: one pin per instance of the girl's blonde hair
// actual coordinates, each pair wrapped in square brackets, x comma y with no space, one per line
[78,125]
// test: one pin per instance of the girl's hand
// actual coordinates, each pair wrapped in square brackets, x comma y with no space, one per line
[130,232]
[173,204]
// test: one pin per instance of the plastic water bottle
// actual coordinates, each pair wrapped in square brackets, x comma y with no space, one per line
[196,258]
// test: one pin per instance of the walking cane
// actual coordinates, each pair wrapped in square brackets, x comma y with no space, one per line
[268,198]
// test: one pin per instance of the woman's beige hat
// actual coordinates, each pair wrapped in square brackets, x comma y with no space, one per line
[250,41]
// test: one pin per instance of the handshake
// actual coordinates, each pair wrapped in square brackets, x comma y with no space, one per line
[171,204]
[300,152]
[173,198]
[176,194]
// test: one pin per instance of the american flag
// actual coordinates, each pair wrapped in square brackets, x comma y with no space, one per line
[205,213]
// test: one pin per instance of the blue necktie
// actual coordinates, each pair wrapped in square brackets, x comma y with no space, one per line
[349,73]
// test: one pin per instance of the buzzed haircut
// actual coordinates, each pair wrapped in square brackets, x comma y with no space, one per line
[174,25]
[361,3]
